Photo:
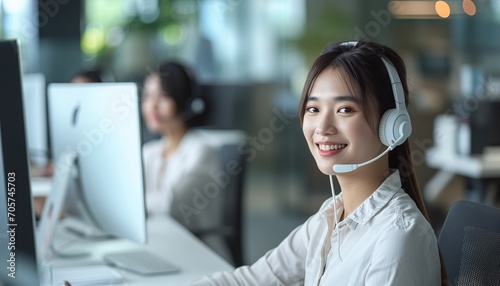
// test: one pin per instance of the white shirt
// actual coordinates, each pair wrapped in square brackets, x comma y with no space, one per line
[185,186]
[385,241]
[188,166]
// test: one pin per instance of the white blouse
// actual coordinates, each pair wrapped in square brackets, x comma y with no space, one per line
[188,166]
[184,185]
[385,241]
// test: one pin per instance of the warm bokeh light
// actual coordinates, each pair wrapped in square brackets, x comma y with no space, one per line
[412,9]
[469,7]
[442,9]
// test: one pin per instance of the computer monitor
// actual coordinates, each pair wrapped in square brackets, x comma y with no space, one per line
[18,259]
[35,117]
[100,123]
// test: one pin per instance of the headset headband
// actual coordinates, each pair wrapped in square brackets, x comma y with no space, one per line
[397,86]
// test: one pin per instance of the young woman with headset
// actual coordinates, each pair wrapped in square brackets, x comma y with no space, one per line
[177,167]
[376,231]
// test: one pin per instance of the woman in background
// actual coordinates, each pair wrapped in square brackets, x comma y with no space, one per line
[177,167]
[87,76]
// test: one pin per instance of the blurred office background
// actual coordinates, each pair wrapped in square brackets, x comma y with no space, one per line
[256,54]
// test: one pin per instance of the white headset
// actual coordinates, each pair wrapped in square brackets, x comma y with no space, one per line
[196,104]
[395,125]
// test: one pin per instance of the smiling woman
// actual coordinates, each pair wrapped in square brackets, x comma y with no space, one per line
[375,232]
[331,112]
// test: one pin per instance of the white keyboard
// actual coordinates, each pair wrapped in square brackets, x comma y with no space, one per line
[140,262]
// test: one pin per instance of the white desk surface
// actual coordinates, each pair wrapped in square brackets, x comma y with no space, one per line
[166,238]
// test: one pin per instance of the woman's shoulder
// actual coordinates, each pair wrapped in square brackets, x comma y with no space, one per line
[194,149]
[196,145]
[326,204]
[153,146]
[404,216]
[195,140]
[326,208]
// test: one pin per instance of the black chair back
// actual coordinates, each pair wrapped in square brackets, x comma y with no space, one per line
[470,244]
[234,163]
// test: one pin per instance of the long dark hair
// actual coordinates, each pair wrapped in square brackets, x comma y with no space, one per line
[364,73]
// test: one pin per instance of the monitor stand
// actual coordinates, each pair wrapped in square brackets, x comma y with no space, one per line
[78,218]
[66,173]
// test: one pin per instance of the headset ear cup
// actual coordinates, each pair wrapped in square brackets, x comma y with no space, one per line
[382,128]
[196,107]
[394,127]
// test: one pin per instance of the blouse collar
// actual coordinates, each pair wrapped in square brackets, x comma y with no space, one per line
[372,205]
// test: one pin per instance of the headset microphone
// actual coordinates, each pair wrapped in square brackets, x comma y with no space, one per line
[345,168]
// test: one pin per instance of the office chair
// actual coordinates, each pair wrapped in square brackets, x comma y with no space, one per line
[231,229]
[470,244]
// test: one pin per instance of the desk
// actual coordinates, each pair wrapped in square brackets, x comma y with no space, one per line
[166,238]
[483,170]
[473,167]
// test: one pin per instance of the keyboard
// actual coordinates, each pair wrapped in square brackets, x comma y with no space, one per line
[140,262]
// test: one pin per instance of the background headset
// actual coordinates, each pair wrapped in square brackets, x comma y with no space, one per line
[195,103]
[395,125]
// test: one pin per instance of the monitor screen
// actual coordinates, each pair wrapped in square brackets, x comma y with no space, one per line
[18,260]
[35,117]
[101,123]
